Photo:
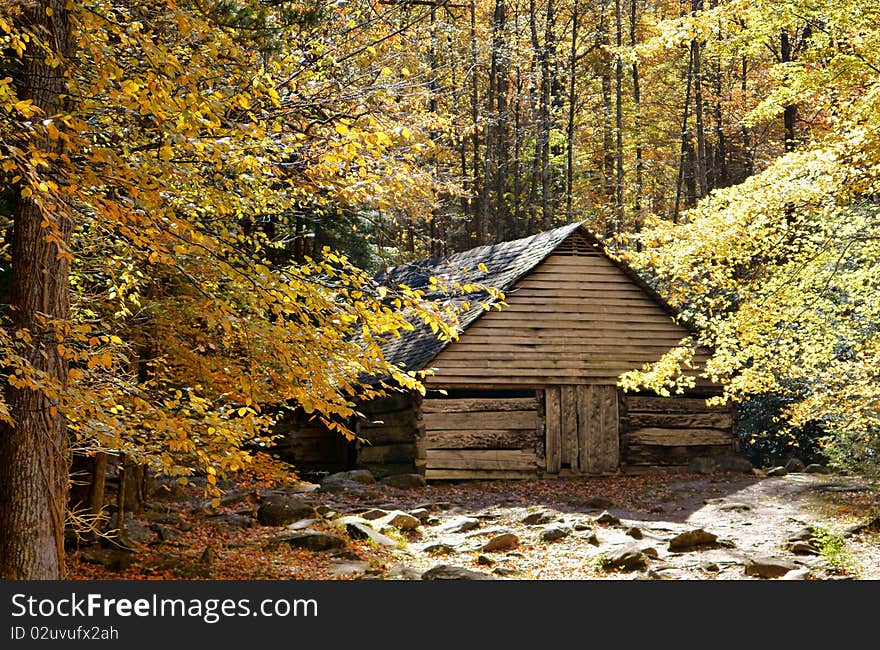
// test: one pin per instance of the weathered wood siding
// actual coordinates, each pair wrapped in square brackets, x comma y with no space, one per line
[582,429]
[309,446]
[482,437]
[575,319]
[388,435]
[672,430]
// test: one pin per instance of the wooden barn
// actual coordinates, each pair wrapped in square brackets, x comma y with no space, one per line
[531,390]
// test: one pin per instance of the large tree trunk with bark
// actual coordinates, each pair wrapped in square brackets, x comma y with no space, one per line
[34,451]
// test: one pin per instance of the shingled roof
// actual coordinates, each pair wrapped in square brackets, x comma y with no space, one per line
[505,263]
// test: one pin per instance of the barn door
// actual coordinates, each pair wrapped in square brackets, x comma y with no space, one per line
[582,429]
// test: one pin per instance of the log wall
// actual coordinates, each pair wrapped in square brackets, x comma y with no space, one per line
[388,435]
[657,431]
[482,438]
[309,446]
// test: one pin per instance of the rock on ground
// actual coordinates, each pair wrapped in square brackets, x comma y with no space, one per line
[459,525]
[795,465]
[312,540]
[399,520]
[769,567]
[627,558]
[777,471]
[283,509]
[503,542]
[405,481]
[554,533]
[358,528]
[607,518]
[449,572]
[733,464]
[537,518]
[691,539]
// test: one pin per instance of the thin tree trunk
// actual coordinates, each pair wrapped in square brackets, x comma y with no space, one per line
[34,451]
[477,187]
[618,120]
[684,137]
[749,162]
[789,115]
[569,155]
[700,166]
[637,120]
[97,487]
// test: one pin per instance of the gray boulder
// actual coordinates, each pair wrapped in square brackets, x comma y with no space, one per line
[234,520]
[405,481]
[348,568]
[627,558]
[283,509]
[735,507]
[503,542]
[777,471]
[702,465]
[399,520]
[422,514]
[360,529]
[115,559]
[312,540]
[596,503]
[459,525]
[362,476]
[803,548]
[449,572]
[135,531]
[769,567]
[607,518]
[805,534]
[440,548]
[691,539]
[373,513]
[537,518]
[797,574]
[554,533]
[733,464]
[403,572]
[634,532]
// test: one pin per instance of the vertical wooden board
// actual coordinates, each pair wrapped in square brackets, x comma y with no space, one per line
[597,433]
[552,424]
[569,426]
[611,431]
[584,394]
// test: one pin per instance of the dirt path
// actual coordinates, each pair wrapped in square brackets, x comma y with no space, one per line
[542,530]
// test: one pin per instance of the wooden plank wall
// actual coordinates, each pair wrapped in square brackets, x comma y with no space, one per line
[582,429]
[479,438]
[309,446]
[575,319]
[389,432]
[672,430]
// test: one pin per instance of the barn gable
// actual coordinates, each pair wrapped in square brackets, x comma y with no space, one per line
[575,317]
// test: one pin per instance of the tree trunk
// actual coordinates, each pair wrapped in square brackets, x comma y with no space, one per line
[99,477]
[569,153]
[618,121]
[685,137]
[697,72]
[33,451]
[637,121]
[789,116]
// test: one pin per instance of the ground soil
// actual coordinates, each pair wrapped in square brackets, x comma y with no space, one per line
[752,516]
